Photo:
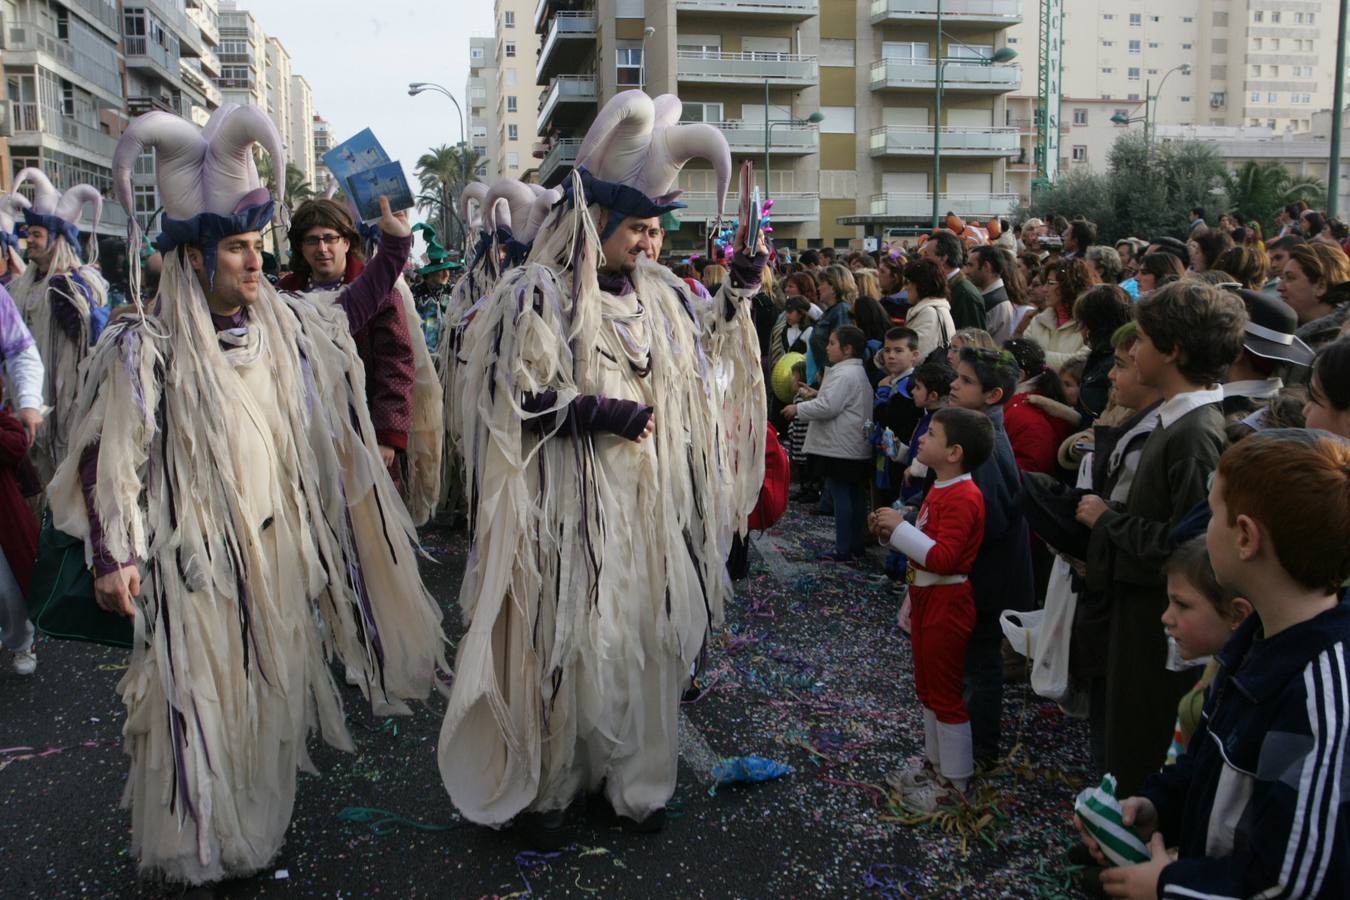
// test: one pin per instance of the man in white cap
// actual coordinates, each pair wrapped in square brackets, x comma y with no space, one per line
[613,431]
[226,479]
[64,301]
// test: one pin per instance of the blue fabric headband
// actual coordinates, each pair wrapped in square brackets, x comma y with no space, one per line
[617,198]
[55,225]
[206,230]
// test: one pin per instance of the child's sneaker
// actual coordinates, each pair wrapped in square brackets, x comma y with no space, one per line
[929,797]
[25,661]
[906,780]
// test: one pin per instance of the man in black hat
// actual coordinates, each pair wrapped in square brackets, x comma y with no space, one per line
[1269,346]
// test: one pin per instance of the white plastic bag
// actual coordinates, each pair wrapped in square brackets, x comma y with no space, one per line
[1043,635]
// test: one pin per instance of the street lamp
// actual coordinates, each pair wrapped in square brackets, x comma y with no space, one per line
[814,119]
[420,87]
[1150,104]
[1001,55]
[646,33]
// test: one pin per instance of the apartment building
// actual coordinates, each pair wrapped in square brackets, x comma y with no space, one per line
[278,79]
[62,64]
[322,142]
[757,71]
[300,140]
[481,92]
[1206,63]
[515,52]
[202,70]
[243,57]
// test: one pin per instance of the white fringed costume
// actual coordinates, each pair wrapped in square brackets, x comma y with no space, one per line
[240,466]
[69,281]
[597,566]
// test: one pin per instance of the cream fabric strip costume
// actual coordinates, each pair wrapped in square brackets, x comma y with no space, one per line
[238,464]
[64,337]
[597,566]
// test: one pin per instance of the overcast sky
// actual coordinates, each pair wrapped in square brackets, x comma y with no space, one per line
[359,56]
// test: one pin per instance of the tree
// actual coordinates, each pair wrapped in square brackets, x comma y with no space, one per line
[441,174]
[1257,191]
[1145,192]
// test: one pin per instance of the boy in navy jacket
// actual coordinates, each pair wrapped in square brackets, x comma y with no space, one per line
[1258,805]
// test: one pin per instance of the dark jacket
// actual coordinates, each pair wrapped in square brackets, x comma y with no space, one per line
[1258,806]
[832,318]
[967,302]
[1001,577]
[1125,558]
[1095,387]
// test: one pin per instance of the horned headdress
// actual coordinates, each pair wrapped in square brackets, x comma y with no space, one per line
[57,212]
[208,182]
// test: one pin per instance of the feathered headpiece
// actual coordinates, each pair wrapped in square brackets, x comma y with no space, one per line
[57,212]
[208,182]
[635,150]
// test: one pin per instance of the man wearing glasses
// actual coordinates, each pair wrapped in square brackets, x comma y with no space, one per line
[325,255]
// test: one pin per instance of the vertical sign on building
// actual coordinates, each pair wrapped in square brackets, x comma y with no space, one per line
[1050,57]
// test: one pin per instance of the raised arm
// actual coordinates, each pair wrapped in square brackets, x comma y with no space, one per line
[371,290]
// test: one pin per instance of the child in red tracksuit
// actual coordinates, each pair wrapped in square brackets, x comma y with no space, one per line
[941,547]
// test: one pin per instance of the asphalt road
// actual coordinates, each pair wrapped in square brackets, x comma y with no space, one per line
[810,672]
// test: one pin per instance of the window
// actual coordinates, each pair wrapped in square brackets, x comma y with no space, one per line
[1256,43]
[1108,16]
[629,63]
[1256,96]
[1155,18]
[1271,97]
[1185,99]
[1136,19]
[1108,43]
[1080,153]
[904,51]
[1274,43]
[838,120]
[1153,71]
[509,18]
[1080,116]
[510,103]
[1298,18]
[1153,45]
[702,112]
[1185,46]
[1256,71]
[513,132]
[1258,16]
[1312,18]
[1107,70]
[144,199]
[1132,74]
[1274,71]
[1188,19]
[1132,97]
[1218,100]
[475,53]
[1122,113]
[513,160]
[510,50]
[1274,20]
[510,77]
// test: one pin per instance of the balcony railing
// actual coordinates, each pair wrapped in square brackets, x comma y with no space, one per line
[32,119]
[920,206]
[748,137]
[199,82]
[716,67]
[209,29]
[985,13]
[562,155]
[88,55]
[569,35]
[767,9]
[566,90]
[141,51]
[101,10]
[210,63]
[175,17]
[957,75]
[918,141]
[787,207]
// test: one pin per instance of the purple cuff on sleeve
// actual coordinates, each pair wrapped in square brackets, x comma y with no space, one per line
[104,562]
[592,413]
[747,272]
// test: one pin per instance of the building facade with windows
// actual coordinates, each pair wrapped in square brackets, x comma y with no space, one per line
[322,142]
[515,54]
[481,91]
[243,57]
[300,142]
[278,79]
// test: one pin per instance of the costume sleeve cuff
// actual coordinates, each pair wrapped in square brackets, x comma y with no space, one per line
[912,542]
[396,439]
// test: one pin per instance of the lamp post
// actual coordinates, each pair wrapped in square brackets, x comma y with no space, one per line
[646,33]
[420,87]
[1149,118]
[1001,55]
[1337,110]
[814,119]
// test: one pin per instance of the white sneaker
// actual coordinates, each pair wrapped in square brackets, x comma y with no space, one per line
[25,661]
[905,780]
[928,797]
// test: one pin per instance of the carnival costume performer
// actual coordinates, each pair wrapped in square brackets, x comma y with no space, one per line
[226,478]
[63,301]
[432,292]
[24,374]
[613,435]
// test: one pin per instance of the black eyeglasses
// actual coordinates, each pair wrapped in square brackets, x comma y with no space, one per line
[314,240]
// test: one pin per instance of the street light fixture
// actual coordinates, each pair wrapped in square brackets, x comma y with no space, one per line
[421,87]
[814,119]
[1001,55]
[1150,104]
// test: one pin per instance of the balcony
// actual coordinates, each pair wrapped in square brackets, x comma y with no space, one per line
[568,99]
[715,67]
[571,36]
[139,106]
[209,29]
[36,126]
[142,53]
[957,76]
[546,8]
[175,17]
[787,140]
[87,57]
[971,142]
[787,207]
[955,13]
[920,206]
[558,161]
[210,63]
[762,10]
[200,83]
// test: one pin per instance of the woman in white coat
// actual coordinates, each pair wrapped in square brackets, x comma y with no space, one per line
[931,315]
[1055,328]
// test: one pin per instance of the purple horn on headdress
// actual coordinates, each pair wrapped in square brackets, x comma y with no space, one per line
[475,191]
[668,109]
[674,146]
[519,198]
[230,172]
[539,210]
[74,200]
[45,197]
[178,147]
[616,143]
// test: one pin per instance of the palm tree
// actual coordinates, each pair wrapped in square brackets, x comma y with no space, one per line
[298,190]
[1259,190]
[442,173]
